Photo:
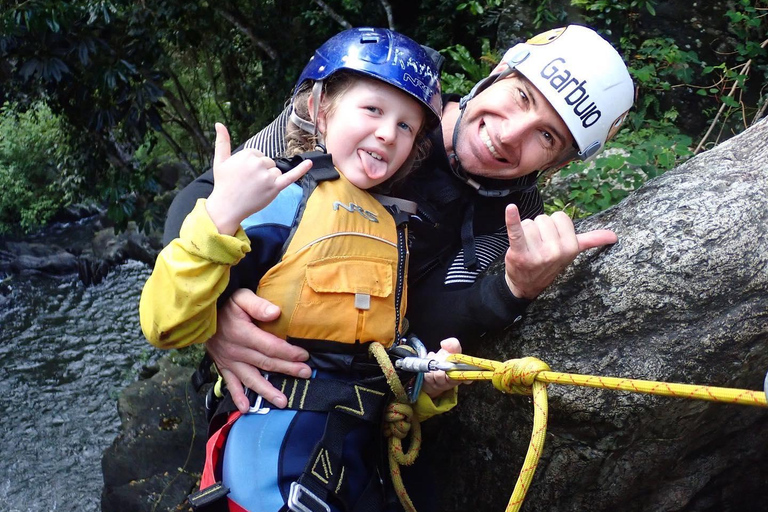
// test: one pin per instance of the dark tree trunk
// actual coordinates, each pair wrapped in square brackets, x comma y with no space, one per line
[682,297]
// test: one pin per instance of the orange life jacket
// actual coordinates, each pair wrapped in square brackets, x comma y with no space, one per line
[341,281]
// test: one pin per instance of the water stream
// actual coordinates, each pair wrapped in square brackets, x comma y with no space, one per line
[66,351]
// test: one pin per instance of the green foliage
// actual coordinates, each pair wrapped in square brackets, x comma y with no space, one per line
[617,13]
[188,356]
[31,152]
[658,65]
[741,78]
[548,15]
[469,69]
[478,8]
[633,157]
[558,205]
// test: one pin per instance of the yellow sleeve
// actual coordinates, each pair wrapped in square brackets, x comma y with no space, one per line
[178,302]
[426,407]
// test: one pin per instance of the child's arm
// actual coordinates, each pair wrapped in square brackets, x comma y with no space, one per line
[244,183]
[439,393]
[178,303]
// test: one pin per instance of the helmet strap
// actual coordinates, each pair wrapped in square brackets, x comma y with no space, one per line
[311,125]
[453,157]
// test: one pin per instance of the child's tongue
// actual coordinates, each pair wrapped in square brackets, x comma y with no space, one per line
[375,169]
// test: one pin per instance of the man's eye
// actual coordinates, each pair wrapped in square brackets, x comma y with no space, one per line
[549,139]
[523,96]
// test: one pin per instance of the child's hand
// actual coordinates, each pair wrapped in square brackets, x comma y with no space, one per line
[244,183]
[437,383]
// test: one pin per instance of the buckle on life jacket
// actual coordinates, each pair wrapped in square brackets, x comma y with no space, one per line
[311,502]
[208,497]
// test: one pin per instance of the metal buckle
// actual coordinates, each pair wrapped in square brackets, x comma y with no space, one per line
[257,408]
[298,492]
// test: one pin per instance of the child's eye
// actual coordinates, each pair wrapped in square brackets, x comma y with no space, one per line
[375,110]
[405,126]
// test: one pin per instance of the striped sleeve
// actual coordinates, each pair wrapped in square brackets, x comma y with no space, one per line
[492,246]
[271,140]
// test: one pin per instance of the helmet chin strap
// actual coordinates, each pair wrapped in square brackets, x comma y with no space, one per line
[309,126]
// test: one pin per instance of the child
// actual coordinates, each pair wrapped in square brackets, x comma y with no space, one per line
[329,254]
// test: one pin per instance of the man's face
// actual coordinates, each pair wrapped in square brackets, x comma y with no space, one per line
[510,130]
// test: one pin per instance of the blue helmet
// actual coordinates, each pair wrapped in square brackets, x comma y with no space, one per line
[382,54]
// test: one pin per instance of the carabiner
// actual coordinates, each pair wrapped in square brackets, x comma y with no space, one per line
[425,365]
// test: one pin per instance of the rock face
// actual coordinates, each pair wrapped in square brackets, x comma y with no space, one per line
[157,458]
[680,298]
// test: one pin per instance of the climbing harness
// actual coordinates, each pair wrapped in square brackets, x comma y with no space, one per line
[348,405]
[530,376]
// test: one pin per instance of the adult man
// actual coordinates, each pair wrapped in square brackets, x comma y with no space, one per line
[558,97]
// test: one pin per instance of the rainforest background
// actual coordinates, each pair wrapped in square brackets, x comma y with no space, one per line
[113,103]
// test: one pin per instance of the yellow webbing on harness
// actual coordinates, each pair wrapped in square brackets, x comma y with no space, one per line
[530,376]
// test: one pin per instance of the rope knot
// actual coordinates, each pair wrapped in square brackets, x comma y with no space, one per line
[517,375]
[397,420]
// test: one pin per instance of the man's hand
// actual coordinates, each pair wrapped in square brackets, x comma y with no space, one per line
[240,349]
[540,249]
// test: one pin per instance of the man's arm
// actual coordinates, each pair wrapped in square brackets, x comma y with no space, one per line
[437,311]
[539,250]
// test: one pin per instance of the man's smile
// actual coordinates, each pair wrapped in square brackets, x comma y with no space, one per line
[488,144]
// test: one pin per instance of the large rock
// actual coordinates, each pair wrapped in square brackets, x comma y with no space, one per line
[88,249]
[19,257]
[157,458]
[682,297]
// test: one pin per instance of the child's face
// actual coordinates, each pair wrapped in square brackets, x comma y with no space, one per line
[371,131]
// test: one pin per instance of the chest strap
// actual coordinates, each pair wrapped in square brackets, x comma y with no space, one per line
[322,165]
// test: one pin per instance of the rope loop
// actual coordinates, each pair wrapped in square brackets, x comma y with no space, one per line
[517,375]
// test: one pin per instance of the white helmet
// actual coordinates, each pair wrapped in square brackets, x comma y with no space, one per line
[582,76]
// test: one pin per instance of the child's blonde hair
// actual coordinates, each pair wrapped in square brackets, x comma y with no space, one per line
[298,140]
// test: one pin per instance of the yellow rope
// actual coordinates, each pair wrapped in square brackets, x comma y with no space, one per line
[399,421]
[503,376]
[530,376]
